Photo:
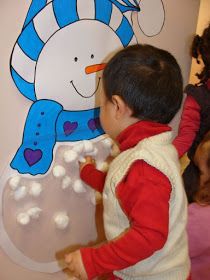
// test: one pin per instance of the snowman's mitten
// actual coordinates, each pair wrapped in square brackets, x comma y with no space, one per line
[36,152]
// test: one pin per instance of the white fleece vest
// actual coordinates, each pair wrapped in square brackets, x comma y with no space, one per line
[172,261]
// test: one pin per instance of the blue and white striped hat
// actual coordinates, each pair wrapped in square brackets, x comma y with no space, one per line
[45,18]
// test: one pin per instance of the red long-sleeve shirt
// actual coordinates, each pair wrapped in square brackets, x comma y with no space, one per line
[144,197]
[188,127]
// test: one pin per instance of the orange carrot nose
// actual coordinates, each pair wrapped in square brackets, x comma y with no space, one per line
[94,68]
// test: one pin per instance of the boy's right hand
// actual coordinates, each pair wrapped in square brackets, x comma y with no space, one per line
[88,160]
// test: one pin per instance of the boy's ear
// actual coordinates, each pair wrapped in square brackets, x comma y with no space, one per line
[121,108]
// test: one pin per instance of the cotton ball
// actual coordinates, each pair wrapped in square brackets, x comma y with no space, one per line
[78,186]
[88,146]
[34,212]
[79,148]
[23,218]
[94,152]
[14,182]
[66,182]
[107,142]
[102,166]
[81,159]
[35,189]
[59,171]
[61,220]
[70,156]
[20,193]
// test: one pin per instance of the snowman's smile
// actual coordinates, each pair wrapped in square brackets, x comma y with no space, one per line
[86,96]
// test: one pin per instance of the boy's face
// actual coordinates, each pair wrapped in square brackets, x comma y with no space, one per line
[108,116]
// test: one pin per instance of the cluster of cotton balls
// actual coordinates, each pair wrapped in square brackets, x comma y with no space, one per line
[60,172]
[79,151]
[20,191]
[86,148]
[77,154]
[24,218]
[60,219]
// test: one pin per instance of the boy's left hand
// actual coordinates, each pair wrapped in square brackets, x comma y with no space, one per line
[75,265]
[88,160]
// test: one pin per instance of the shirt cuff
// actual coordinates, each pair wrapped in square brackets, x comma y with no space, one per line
[86,254]
[85,172]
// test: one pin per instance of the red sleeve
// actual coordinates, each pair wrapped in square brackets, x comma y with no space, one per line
[188,127]
[93,177]
[144,196]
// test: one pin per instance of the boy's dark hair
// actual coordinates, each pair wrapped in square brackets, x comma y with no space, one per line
[201,47]
[148,79]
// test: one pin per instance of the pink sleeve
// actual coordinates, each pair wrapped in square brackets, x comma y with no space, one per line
[198,229]
[143,195]
[188,127]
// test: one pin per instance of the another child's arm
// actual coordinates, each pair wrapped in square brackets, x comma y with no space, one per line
[198,229]
[144,197]
[189,125]
[91,176]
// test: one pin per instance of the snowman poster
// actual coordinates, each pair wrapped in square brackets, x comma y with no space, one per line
[57,63]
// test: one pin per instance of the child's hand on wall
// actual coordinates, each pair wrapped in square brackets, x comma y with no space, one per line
[88,160]
[75,265]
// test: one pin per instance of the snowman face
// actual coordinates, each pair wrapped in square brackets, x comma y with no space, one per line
[65,68]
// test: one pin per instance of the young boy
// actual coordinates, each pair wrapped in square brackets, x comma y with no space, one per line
[145,207]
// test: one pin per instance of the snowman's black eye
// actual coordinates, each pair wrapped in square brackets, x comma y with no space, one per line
[92,55]
[75,59]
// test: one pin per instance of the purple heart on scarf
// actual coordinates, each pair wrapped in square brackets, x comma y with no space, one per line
[69,127]
[32,156]
[93,124]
